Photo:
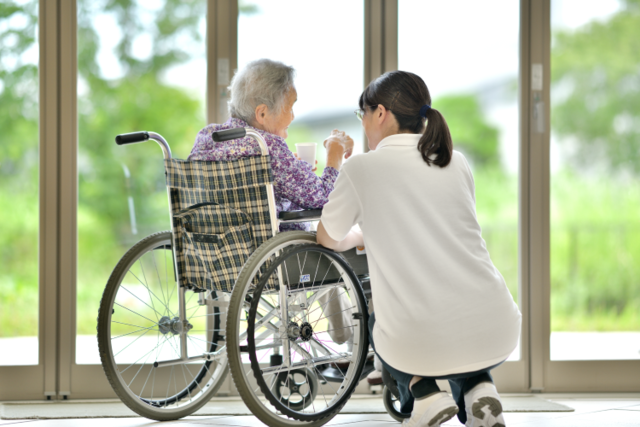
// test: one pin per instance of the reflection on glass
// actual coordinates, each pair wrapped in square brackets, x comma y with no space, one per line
[327,53]
[140,67]
[19,184]
[595,198]
[468,56]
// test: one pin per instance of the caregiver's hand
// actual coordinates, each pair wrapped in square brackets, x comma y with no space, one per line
[338,144]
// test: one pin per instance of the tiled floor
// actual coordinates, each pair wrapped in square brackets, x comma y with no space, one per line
[600,410]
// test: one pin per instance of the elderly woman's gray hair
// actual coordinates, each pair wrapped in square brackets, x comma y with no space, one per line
[261,82]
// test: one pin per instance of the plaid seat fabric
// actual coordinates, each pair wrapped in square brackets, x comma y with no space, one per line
[220,216]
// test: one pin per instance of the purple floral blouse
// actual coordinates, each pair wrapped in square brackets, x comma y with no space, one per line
[295,185]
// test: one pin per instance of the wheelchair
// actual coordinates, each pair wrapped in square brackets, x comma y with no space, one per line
[224,291]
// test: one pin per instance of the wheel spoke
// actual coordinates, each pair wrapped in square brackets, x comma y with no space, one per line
[138,330]
[138,314]
[160,389]
[146,283]
[159,280]
[291,389]
[152,293]
[136,297]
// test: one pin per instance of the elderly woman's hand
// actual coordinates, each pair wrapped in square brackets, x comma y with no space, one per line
[313,168]
[342,139]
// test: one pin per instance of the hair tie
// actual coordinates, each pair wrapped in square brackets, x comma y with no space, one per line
[424,109]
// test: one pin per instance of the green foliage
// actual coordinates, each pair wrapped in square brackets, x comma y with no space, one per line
[18,171]
[470,132]
[173,27]
[138,101]
[19,257]
[594,238]
[598,67]
[18,99]
[497,212]
[246,8]
[594,269]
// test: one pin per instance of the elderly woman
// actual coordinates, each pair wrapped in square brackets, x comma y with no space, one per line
[262,97]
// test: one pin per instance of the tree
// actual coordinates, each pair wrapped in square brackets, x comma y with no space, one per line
[18,97]
[598,65]
[139,100]
[470,132]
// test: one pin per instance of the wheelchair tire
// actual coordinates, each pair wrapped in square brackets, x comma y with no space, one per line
[392,405]
[138,326]
[253,330]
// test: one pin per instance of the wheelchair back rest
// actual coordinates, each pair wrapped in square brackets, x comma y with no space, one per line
[220,216]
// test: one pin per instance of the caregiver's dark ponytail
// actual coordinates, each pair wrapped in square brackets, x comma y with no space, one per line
[407,97]
[436,140]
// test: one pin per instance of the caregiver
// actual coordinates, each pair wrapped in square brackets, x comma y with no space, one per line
[442,309]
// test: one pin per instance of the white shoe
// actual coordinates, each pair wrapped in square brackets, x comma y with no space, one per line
[432,411]
[483,406]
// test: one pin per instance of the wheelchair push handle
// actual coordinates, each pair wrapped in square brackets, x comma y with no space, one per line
[235,133]
[229,134]
[142,136]
[132,138]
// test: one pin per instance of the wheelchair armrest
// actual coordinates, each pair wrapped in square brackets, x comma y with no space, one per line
[300,216]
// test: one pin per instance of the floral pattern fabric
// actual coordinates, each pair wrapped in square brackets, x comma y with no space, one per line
[296,186]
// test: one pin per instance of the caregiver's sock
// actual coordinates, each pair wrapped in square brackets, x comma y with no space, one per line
[424,388]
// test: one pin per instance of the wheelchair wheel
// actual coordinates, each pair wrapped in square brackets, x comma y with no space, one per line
[317,320]
[392,405]
[391,397]
[139,335]
[296,389]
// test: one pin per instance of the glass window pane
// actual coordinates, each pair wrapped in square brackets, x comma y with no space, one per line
[595,167]
[19,161]
[141,66]
[468,56]
[327,53]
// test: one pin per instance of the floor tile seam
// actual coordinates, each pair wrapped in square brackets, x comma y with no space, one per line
[564,415]
[576,413]
[12,422]
[630,406]
[634,404]
[551,415]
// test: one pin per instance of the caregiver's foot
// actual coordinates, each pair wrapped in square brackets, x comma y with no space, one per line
[432,411]
[484,408]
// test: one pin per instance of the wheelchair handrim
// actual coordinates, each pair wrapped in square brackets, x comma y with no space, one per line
[351,372]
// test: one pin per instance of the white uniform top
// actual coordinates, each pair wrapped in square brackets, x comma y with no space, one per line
[441,305]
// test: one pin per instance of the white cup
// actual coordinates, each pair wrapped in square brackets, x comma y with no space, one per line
[307,152]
